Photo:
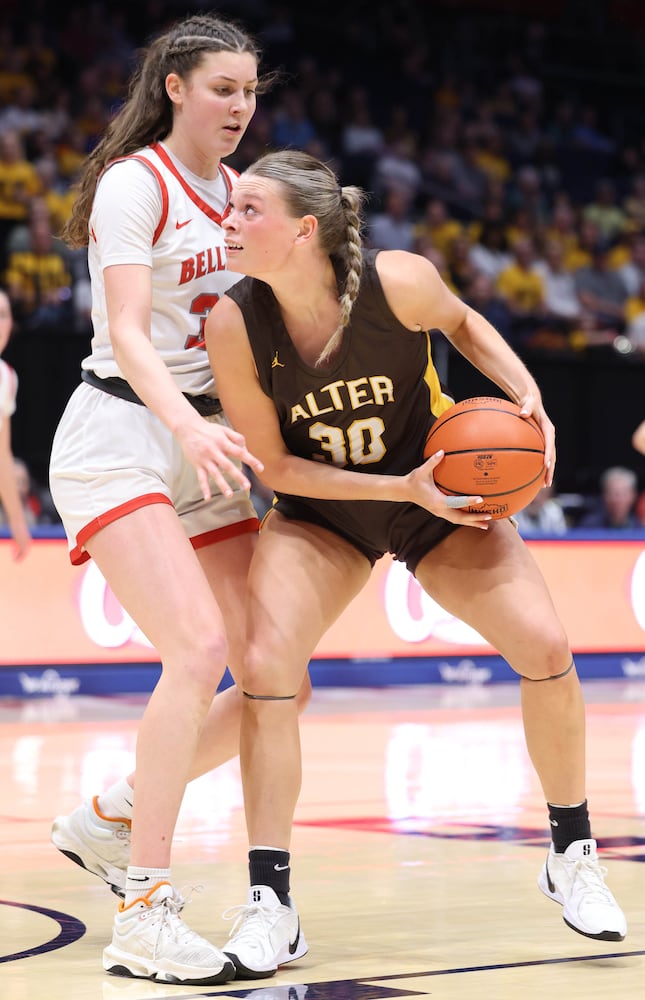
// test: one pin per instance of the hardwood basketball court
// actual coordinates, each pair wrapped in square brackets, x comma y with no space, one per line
[419,836]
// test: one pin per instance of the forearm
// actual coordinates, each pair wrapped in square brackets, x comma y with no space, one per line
[323,481]
[144,370]
[9,495]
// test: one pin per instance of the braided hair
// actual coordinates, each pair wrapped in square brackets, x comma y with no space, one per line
[310,187]
[147,114]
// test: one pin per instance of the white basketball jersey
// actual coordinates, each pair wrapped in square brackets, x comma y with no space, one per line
[8,390]
[149,209]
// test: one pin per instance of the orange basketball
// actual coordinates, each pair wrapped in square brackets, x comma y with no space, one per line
[491,452]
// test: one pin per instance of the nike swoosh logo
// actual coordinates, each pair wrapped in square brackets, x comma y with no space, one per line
[294,944]
[136,878]
[180,225]
[280,868]
[549,880]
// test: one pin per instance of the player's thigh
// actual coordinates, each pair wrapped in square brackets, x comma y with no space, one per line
[152,570]
[490,580]
[226,565]
[302,578]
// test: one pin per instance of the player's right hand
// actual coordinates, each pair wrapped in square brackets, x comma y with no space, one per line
[217,451]
[424,493]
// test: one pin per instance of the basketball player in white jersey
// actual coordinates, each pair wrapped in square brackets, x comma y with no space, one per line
[146,472]
[9,496]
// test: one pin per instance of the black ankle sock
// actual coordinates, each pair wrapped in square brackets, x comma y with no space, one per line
[271,867]
[568,823]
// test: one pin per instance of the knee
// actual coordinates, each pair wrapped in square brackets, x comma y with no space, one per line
[550,658]
[204,660]
[269,675]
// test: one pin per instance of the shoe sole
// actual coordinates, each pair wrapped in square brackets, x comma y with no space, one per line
[141,969]
[557,898]
[244,972]
[112,876]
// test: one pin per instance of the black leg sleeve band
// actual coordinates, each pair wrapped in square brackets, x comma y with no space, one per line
[553,677]
[269,697]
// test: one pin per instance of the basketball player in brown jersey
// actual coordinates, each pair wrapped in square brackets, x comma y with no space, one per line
[323,358]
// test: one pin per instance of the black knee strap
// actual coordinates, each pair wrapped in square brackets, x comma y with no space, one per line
[552,677]
[269,697]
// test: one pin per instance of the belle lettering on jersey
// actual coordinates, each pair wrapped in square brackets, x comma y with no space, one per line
[204,262]
[341,395]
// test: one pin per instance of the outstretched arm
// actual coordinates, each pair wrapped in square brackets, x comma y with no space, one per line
[420,300]
[9,494]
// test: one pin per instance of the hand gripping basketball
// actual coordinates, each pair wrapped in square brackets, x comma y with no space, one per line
[489,451]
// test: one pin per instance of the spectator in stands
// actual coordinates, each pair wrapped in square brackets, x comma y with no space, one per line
[523,290]
[562,228]
[601,291]
[605,211]
[543,516]
[292,126]
[614,508]
[632,271]
[39,283]
[635,319]
[562,305]
[19,183]
[581,253]
[37,505]
[14,514]
[392,228]
[634,201]
[397,166]
[491,253]
[438,225]
[460,265]
[480,294]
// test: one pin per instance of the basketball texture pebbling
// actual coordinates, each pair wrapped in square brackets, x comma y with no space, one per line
[489,451]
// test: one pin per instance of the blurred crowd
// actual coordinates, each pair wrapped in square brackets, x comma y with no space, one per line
[508,148]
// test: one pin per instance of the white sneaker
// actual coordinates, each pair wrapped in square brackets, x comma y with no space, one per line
[103,848]
[151,941]
[576,880]
[265,934]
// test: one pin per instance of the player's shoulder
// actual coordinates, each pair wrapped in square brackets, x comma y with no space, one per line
[400,270]
[129,173]
[225,315]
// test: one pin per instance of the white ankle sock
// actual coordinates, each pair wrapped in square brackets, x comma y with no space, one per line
[139,881]
[117,800]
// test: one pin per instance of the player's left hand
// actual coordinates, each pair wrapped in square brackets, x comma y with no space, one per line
[531,406]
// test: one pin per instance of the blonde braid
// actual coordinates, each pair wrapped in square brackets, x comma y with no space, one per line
[351,199]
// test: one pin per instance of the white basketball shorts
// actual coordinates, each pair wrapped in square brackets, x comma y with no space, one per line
[110,457]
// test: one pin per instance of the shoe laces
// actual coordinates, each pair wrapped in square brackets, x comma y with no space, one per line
[167,914]
[591,876]
[250,919]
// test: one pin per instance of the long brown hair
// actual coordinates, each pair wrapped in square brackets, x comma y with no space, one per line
[147,114]
[310,187]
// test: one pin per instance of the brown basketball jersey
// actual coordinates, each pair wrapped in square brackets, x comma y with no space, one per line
[368,411]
